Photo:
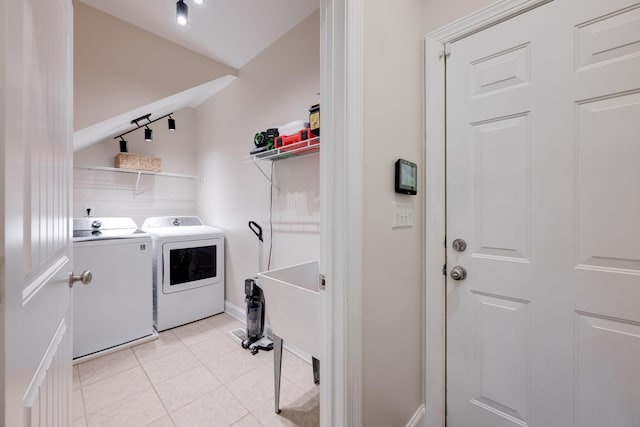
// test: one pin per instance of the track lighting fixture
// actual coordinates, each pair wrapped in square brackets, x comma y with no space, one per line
[148,132]
[182,13]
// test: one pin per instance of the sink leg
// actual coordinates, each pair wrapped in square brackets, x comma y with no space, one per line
[277,369]
[316,370]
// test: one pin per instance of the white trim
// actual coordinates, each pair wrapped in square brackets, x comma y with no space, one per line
[235,311]
[435,185]
[435,234]
[341,185]
[152,337]
[354,213]
[418,418]
[484,18]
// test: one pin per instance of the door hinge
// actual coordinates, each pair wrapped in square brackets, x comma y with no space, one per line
[444,270]
[322,282]
[445,52]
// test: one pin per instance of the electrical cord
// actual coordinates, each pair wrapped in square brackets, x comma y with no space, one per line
[270,217]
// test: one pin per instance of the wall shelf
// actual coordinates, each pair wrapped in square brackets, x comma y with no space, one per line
[139,173]
[297,149]
[308,146]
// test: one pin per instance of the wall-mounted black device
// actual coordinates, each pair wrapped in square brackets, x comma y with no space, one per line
[406,177]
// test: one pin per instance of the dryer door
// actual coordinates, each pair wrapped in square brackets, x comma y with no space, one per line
[191,264]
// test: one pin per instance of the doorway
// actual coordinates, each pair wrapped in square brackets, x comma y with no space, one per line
[541,260]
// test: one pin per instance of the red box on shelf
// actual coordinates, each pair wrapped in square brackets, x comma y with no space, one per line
[294,142]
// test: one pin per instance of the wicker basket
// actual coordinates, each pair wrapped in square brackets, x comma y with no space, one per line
[138,162]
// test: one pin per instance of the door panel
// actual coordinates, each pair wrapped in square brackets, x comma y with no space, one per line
[501,351]
[608,155]
[501,188]
[542,183]
[607,389]
[36,85]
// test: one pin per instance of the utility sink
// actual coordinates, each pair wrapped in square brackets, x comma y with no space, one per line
[294,305]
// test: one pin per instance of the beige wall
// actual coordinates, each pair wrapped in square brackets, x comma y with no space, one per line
[439,13]
[276,87]
[393,281]
[113,193]
[119,67]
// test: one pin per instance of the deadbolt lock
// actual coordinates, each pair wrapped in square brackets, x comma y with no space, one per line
[459,245]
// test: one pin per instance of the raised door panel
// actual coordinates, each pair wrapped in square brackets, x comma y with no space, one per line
[501,356]
[608,207]
[501,188]
[607,352]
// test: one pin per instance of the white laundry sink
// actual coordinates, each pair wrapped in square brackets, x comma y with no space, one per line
[294,305]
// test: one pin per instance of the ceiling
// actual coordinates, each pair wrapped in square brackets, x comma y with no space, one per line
[228,31]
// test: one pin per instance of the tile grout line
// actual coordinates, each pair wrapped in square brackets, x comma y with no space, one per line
[249,412]
[84,407]
[188,347]
[154,388]
[264,363]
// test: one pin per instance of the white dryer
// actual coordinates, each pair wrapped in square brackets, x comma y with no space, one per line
[188,270]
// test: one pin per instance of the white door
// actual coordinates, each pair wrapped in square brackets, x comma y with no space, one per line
[36,48]
[543,184]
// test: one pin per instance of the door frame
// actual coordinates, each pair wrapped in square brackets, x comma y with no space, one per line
[437,49]
[341,210]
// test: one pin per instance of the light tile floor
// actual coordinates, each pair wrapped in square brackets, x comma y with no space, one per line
[194,375]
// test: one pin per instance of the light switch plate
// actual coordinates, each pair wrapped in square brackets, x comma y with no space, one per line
[401,214]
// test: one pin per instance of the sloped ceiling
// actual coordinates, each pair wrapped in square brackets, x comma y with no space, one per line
[231,32]
[122,122]
[131,58]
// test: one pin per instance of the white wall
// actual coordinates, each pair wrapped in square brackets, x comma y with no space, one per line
[113,193]
[276,87]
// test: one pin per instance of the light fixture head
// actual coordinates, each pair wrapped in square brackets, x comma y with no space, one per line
[148,134]
[123,146]
[182,13]
[198,2]
[172,123]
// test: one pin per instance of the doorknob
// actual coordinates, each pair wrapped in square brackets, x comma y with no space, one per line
[458,273]
[85,278]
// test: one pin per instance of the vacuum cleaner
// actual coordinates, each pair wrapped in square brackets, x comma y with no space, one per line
[254,299]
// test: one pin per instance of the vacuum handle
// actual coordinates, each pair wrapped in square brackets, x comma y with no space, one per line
[257,230]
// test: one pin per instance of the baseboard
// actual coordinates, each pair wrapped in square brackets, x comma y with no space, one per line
[418,418]
[235,311]
[240,314]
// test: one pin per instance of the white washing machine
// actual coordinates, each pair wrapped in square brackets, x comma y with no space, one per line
[116,309]
[188,270]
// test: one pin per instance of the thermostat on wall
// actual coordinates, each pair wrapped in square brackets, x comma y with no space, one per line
[406,177]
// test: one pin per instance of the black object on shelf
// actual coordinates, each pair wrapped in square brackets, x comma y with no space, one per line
[266,138]
[314,119]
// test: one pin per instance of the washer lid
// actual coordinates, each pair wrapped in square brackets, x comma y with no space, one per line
[105,228]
